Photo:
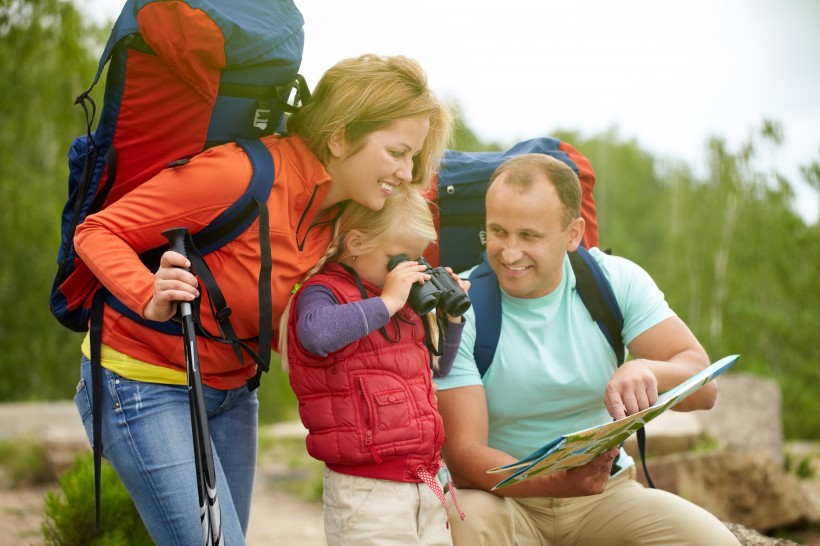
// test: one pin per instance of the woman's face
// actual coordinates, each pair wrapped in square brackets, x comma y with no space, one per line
[369,171]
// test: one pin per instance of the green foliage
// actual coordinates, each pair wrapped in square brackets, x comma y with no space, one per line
[70,515]
[734,259]
[801,466]
[23,463]
[300,475]
[45,61]
[276,399]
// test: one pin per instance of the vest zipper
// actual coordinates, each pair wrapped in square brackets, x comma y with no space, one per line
[368,420]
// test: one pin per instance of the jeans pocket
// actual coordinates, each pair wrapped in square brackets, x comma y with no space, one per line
[82,400]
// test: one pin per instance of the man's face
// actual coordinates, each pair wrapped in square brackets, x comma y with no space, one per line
[526,237]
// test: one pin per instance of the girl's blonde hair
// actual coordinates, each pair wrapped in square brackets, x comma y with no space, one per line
[406,215]
[366,94]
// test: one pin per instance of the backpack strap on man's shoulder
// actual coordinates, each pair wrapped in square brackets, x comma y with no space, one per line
[599,299]
[485,294]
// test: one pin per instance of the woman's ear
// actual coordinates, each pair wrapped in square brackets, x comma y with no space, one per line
[337,143]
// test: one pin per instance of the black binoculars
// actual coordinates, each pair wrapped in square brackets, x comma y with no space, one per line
[440,291]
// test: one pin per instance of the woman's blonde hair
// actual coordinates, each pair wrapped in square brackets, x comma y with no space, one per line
[366,94]
[406,215]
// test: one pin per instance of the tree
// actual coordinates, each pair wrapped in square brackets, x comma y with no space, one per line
[45,61]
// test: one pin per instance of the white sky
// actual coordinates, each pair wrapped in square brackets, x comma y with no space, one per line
[669,74]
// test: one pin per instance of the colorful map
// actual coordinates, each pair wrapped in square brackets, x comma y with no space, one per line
[578,448]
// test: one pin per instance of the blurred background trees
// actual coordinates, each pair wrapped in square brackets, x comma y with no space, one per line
[734,259]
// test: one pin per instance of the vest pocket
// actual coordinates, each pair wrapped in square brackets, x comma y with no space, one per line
[389,414]
[391,409]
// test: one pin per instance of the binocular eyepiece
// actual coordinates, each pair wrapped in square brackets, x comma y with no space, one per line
[440,291]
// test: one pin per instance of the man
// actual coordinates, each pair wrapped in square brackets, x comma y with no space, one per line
[553,373]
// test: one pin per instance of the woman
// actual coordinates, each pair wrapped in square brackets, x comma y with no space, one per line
[371,125]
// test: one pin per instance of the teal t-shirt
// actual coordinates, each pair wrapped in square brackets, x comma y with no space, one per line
[553,362]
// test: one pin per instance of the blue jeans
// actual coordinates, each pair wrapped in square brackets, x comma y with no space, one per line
[146,436]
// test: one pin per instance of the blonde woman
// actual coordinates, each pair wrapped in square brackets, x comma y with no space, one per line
[372,126]
[360,367]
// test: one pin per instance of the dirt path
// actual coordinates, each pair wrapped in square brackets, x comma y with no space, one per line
[277,516]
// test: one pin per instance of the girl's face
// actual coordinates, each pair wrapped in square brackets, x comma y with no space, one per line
[372,266]
[369,171]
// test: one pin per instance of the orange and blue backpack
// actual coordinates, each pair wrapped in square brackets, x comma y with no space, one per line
[183,75]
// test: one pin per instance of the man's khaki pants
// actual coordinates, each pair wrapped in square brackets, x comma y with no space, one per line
[625,514]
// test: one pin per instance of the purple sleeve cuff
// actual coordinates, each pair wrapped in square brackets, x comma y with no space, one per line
[452,339]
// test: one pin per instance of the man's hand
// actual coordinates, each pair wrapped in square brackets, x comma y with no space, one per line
[589,479]
[633,387]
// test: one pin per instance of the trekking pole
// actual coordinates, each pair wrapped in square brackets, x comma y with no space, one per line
[209,513]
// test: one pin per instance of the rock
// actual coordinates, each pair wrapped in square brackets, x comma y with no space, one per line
[61,446]
[747,415]
[748,488]
[670,432]
[750,537]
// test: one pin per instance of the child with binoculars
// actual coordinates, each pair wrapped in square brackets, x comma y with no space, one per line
[359,339]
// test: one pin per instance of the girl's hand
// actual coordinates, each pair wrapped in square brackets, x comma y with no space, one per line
[397,284]
[172,283]
[463,284]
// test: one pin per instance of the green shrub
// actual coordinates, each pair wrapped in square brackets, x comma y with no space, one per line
[24,463]
[70,517]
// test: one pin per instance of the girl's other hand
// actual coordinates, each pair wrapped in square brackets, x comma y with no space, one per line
[463,284]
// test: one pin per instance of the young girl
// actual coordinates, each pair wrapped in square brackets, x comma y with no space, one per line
[360,368]
[371,126]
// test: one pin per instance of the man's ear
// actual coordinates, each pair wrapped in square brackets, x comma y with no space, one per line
[576,230]
[337,143]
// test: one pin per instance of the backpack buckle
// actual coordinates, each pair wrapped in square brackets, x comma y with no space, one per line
[261,117]
[222,314]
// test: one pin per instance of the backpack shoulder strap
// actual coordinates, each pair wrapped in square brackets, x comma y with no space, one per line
[599,299]
[223,229]
[236,218]
[485,295]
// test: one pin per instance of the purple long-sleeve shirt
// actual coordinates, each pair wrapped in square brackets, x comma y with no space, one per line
[325,326]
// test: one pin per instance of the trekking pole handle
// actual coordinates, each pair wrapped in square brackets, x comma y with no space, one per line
[176,238]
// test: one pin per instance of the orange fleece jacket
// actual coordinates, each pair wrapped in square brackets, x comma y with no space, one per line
[192,196]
